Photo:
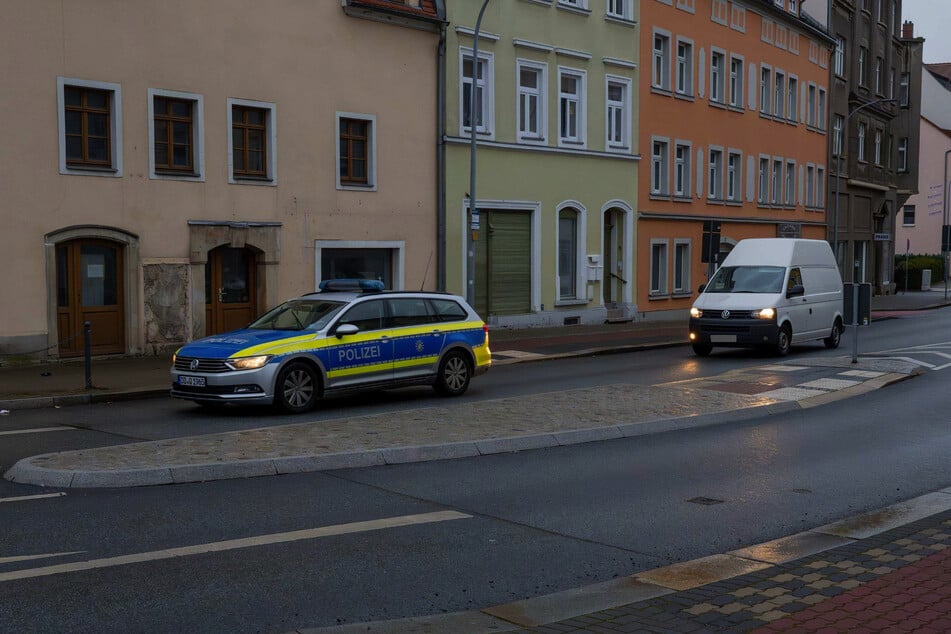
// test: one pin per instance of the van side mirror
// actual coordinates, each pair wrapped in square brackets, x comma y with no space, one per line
[795,291]
[700,288]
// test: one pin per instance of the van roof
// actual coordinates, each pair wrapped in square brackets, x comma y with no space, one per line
[781,252]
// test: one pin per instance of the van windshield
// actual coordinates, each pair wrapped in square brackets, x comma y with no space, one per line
[747,279]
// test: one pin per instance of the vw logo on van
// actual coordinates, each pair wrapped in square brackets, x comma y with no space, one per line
[193,365]
[725,314]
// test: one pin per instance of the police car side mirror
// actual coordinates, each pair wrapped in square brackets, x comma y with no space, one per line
[346,329]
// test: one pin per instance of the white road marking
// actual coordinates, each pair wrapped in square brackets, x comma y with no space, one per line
[24,498]
[7,560]
[37,430]
[234,544]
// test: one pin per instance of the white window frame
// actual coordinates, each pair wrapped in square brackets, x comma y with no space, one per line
[682,247]
[863,131]
[684,64]
[776,182]
[811,105]
[734,176]
[488,92]
[625,109]
[659,166]
[789,186]
[904,215]
[270,178]
[115,125]
[838,123]
[821,109]
[581,223]
[371,151]
[718,76]
[541,95]
[792,96]
[198,135]
[715,165]
[878,147]
[736,95]
[660,60]
[820,186]
[765,88]
[904,92]
[810,186]
[838,59]
[398,247]
[762,179]
[580,99]
[682,167]
[903,154]
[621,9]
[779,93]
[863,60]
[661,289]
[879,76]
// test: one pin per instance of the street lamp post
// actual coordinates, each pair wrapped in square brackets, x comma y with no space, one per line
[944,226]
[838,174]
[473,125]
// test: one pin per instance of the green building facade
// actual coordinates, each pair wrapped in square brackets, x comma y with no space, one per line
[556,157]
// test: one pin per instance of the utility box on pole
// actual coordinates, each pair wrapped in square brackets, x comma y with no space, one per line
[857,304]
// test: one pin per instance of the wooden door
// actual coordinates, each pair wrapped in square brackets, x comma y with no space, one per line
[229,290]
[89,287]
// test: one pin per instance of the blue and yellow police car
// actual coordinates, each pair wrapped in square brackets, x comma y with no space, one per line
[337,341]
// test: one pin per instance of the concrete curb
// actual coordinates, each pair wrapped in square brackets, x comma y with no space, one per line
[63,400]
[552,608]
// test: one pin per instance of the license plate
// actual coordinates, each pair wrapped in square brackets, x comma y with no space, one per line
[722,338]
[193,381]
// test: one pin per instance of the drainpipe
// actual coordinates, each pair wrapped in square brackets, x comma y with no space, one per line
[441,153]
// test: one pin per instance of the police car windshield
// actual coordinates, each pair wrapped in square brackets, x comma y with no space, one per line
[747,279]
[299,314]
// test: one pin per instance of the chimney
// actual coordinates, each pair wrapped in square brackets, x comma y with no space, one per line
[908,30]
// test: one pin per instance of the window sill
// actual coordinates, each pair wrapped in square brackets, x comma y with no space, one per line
[735,108]
[571,302]
[527,140]
[684,96]
[251,180]
[717,104]
[734,203]
[353,187]
[89,170]
[658,90]
[681,295]
[618,149]
[659,196]
[715,201]
[657,295]
[616,19]
[682,199]
[176,176]
[576,10]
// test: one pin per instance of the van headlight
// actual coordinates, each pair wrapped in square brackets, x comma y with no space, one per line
[764,313]
[248,363]
[695,312]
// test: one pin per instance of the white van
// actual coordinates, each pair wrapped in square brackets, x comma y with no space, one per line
[770,292]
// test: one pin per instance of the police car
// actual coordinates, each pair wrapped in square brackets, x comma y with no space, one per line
[336,341]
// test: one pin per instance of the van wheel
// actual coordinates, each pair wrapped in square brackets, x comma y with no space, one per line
[784,340]
[833,340]
[297,388]
[702,349]
[454,374]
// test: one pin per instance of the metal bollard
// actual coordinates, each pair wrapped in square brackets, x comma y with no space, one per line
[87,353]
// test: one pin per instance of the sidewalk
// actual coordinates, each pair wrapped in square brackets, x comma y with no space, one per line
[55,383]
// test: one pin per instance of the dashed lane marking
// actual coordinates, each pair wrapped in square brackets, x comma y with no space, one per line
[234,544]
[37,430]
[24,498]
[10,560]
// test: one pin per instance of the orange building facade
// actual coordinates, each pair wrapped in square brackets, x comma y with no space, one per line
[734,135]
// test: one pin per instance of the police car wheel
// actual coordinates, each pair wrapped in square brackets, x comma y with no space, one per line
[297,388]
[455,371]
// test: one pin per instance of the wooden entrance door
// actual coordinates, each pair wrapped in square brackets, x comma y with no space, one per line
[229,290]
[89,287]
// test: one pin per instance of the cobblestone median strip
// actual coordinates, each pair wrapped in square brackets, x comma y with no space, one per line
[510,424]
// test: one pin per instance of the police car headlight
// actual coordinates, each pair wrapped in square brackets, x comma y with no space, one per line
[765,313]
[695,312]
[248,363]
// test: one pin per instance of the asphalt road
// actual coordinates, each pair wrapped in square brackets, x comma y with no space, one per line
[519,525]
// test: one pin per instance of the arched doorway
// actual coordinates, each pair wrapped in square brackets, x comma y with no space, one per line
[230,289]
[90,287]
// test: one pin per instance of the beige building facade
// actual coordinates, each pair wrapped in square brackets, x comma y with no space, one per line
[175,169]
